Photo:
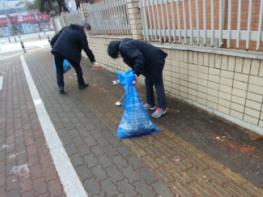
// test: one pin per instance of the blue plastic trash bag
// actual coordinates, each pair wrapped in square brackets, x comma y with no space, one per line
[66,66]
[135,120]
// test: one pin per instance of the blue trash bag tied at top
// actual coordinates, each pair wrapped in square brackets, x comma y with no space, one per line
[135,120]
[66,66]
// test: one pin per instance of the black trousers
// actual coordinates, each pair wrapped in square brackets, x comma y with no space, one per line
[157,82]
[59,67]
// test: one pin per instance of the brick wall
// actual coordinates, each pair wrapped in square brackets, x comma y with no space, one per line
[231,87]
[225,82]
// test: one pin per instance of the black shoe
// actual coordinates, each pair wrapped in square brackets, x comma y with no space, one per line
[62,91]
[81,87]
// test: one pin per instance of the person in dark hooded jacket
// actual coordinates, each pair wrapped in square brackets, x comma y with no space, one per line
[147,60]
[68,44]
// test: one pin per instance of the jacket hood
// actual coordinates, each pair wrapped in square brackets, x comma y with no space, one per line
[113,49]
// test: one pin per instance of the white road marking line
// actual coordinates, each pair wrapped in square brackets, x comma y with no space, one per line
[67,174]
[1,82]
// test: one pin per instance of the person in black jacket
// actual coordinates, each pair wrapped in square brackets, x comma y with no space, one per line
[68,44]
[147,60]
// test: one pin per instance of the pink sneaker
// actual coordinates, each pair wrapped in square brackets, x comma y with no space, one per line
[158,112]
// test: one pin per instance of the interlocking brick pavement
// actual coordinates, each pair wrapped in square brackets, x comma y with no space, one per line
[104,164]
[26,167]
[186,170]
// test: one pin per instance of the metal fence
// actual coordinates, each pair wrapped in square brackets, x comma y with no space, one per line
[74,17]
[108,17]
[216,23]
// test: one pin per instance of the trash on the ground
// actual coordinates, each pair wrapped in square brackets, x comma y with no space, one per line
[230,145]
[248,149]
[118,104]
[115,82]
[177,159]
[220,138]
[135,120]
[254,136]
[66,66]
[20,170]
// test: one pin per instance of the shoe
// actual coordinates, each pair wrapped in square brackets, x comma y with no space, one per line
[158,112]
[149,107]
[62,91]
[81,87]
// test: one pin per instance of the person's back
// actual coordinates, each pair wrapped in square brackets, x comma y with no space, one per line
[68,43]
[147,60]
[150,56]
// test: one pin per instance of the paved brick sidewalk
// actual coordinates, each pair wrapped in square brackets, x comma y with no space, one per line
[186,170]
[104,164]
[26,167]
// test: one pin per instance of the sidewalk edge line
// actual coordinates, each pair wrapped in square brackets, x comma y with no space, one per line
[67,174]
[1,82]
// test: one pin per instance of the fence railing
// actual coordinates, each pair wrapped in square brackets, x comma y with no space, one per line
[74,17]
[215,23]
[108,17]
[58,23]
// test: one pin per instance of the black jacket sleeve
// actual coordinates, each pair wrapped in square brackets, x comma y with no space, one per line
[86,48]
[53,40]
[133,53]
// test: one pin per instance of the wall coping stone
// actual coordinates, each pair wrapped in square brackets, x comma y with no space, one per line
[202,49]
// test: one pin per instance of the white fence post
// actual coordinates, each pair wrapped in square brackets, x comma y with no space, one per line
[150,20]
[178,20]
[229,23]
[184,18]
[168,21]
[190,21]
[212,23]
[248,23]
[144,18]
[221,16]
[204,22]
[154,21]
[197,20]
[163,22]
[173,21]
[238,23]
[260,25]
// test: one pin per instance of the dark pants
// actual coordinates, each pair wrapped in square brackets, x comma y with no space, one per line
[156,82]
[59,67]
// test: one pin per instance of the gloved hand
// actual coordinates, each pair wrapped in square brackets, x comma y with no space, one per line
[95,64]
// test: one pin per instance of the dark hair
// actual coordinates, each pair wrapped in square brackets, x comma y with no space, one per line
[113,49]
[86,25]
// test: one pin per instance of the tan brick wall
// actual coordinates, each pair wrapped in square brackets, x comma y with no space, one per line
[226,84]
